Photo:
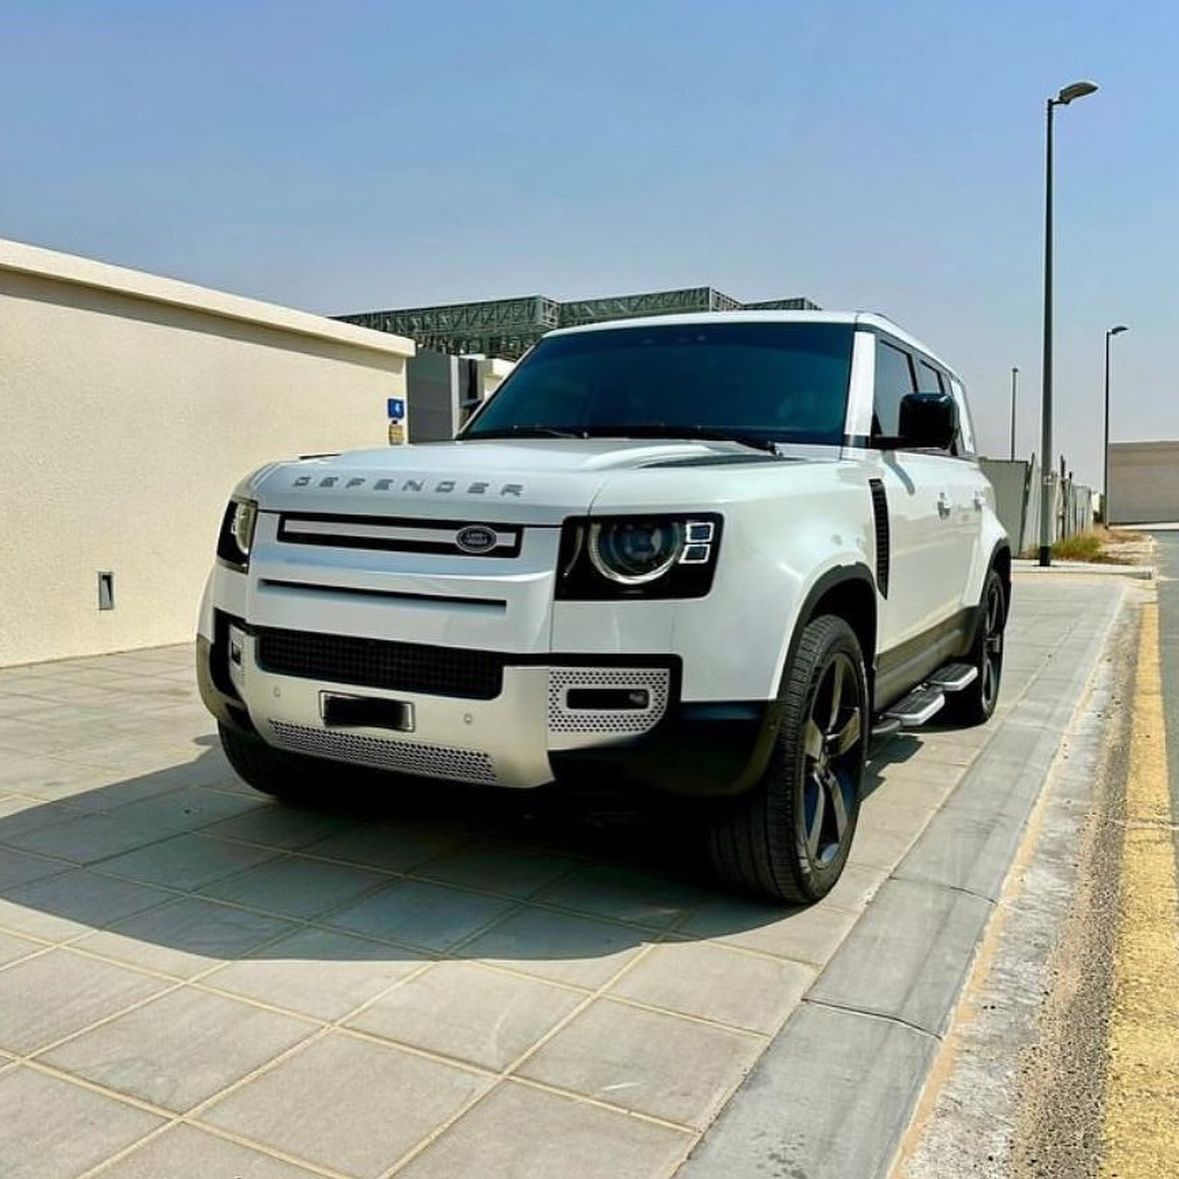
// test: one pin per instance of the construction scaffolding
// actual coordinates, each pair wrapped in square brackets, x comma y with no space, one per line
[509,327]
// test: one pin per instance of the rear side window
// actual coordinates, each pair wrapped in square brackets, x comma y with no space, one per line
[894,380]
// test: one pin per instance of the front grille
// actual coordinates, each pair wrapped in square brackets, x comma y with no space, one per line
[403,757]
[378,663]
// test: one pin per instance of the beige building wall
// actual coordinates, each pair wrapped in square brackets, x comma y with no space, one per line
[130,407]
[1144,482]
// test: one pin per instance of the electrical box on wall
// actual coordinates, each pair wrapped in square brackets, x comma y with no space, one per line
[106,591]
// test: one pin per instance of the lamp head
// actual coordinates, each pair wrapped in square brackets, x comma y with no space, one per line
[1075,91]
[1117,331]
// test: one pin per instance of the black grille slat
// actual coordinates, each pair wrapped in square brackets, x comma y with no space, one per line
[379,663]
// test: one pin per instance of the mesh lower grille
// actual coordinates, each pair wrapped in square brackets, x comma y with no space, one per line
[378,663]
[405,757]
[563,719]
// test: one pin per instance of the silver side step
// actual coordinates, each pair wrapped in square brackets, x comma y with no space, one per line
[917,707]
[953,677]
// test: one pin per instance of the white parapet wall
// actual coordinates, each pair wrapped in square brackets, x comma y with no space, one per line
[130,405]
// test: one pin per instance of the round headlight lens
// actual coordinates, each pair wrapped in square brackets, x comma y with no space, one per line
[635,551]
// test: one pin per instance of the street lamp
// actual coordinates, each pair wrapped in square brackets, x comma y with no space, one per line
[1014,380]
[1109,335]
[1067,95]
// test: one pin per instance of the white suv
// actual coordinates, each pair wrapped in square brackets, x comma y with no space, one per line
[705,554]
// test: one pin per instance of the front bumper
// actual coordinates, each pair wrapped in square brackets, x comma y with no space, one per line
[526,735]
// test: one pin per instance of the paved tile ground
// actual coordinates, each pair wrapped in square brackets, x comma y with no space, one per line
[427,982]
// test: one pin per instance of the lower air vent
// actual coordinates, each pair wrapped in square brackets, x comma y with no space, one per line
[377,663]
[403,757]
[648,682]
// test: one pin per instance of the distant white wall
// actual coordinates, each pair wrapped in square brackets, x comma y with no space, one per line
[130,405]
[491,374]
[1143,482]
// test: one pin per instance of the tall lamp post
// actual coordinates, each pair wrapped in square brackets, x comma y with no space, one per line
[1109,335]
[1067,95]
[1014,380]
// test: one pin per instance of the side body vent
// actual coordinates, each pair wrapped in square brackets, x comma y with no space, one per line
[880,514]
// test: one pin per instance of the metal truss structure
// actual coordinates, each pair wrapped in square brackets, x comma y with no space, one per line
[509,327]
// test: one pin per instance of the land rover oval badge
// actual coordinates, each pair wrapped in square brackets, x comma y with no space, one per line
[475,538]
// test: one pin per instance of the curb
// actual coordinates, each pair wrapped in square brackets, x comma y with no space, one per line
[833,1095]
[1084,568]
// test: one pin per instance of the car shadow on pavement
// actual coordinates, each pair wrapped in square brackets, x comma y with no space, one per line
[189,860]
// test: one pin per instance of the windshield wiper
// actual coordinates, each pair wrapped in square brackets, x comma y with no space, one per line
[526,432]
[709,433]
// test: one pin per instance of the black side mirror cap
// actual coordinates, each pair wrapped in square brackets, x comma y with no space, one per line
[928,421]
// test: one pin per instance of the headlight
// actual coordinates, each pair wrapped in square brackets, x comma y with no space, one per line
[632,552]
[237,533]
[638,556]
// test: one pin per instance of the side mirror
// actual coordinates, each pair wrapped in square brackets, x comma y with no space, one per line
[928,420]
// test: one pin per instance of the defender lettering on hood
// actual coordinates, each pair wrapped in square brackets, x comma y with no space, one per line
[395,483]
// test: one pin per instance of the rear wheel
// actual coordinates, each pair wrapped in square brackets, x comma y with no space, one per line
[789,837]
[975,704]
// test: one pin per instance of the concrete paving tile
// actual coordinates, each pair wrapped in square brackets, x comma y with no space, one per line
[20,814]
[602,890]
[74,902]
[278,826]
[346,1103]
[469,1012]
[54,1130]
[181,1049]
[41,777]
[186,861]
[296,887]
[878,847]
[916,943]
[13,948]
[831,1096]
[518,1132]
[185,937]
[316,972]
[714,982]
[640,1060]
[59,993]
[420,914]
[86,839]
[186,809]
[18,867]
[809,934]
[574,950]
[855,888]
[498,868]
[394,848]
[186,1151]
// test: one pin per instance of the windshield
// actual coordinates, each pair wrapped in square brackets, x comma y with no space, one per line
[768,382]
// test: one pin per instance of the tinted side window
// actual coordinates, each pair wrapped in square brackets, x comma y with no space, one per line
[929,380]
[894,380]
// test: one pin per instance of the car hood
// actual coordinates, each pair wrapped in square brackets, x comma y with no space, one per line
[522,480]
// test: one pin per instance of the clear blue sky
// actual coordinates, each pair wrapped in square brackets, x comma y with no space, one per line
[351,155]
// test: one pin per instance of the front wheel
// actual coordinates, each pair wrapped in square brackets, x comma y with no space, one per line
[789,837]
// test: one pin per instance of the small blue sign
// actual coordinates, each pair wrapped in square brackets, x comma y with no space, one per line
[396,408]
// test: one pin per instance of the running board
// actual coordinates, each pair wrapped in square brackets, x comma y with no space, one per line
[917,707]
[925,701]
[953,677]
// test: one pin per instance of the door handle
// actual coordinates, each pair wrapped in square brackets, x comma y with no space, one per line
[978,501]
[944,507]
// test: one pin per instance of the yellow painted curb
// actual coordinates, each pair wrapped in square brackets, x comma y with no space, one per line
[1141,1115]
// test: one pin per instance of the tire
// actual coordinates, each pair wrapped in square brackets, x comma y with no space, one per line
[284,775]
[789,837]
[975,704]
